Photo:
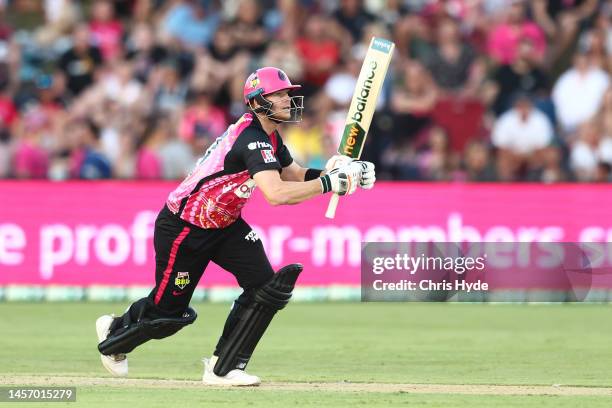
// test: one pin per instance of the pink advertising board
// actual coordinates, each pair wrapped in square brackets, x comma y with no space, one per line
[80,233]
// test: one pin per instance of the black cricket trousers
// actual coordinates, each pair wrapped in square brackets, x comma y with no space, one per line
[183,250]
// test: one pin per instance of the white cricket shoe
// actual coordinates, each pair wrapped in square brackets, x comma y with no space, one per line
[116,364]
[233,378]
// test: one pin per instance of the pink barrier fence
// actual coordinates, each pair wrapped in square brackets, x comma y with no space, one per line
[100,233]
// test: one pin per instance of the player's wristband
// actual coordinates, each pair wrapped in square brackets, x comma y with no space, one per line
[325,183]
[312,174]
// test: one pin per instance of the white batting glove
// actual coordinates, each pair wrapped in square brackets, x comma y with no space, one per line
[337,160]
[342,180]
[368,176]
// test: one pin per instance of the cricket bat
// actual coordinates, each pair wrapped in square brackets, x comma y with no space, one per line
[363,104]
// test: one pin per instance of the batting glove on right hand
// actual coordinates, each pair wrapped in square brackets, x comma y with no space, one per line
[337,161]
[368,176]
[342,180]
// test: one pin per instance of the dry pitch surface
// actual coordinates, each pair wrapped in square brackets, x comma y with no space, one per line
[557,389]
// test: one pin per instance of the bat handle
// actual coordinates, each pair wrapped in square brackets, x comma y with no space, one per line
[331,208]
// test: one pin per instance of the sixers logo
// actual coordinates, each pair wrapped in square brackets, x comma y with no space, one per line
[245,189]
[254,82]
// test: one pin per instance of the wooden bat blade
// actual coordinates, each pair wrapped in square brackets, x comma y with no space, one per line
[363,105]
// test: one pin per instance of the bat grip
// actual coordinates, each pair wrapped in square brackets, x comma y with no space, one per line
[331,208]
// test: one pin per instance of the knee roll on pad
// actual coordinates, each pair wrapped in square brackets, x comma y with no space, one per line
[140,324]
[237,349]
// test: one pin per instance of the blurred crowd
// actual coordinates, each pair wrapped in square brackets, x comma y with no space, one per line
[478,90]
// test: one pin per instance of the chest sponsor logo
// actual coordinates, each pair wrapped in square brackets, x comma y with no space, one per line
[245,189]
[228,187]
[259,145]
[268,156]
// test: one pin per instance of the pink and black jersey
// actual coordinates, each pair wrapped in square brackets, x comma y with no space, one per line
[213,194]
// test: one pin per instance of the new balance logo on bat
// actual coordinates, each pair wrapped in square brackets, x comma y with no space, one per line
[364,93]
[354,133]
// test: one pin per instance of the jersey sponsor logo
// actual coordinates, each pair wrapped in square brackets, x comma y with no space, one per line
[259,145]
[245,189]
[228,187]
[182,280]
[251,236]
[268,156]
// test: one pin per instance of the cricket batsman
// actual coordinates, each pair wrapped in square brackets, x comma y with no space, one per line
[201,222]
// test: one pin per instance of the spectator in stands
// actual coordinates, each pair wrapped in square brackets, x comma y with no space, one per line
[353,17]
[87,161]
[80,62]
[519,135]
[148,162]
[306,141]
[247,28]
[119,85]
[201,122]
[171,90]
[143,51]
[579,92]
[452,62]
[413,101]
[320,52]
[60,18]
[597,43]
[8,110]
[548,168]
[106,30]
[477,162]
[434,160]
[31,158]
[589,151]
[505,37]
[118,63]
[188,23]
[521,75]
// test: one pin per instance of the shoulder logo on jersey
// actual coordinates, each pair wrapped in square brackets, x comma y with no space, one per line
[258,145]
[268,156]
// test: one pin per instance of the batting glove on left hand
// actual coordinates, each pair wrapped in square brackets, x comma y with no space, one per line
[368,176]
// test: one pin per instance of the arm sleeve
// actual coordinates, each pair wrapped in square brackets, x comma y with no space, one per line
[284,156]
[253,147]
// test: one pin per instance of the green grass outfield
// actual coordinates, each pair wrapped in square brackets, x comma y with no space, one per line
[333,346]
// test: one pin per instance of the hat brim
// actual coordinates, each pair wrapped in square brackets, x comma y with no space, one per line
[283,89]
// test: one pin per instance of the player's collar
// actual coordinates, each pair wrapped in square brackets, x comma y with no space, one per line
[257,123]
